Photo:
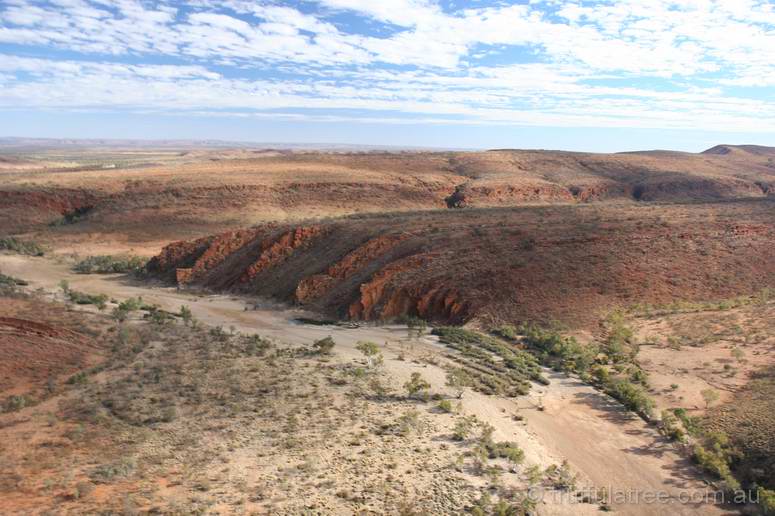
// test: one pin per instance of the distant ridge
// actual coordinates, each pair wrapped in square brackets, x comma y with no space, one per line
[758,150]
[15,142]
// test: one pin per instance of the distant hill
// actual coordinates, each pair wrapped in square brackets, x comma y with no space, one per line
[758,150]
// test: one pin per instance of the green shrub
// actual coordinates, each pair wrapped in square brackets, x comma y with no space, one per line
[562,353]
[515,366]
[257,345]
[714,454]
[132,304]
[120,314]
[619,344]
[106,264]
[186,315]
[408,422]
[324,346]
[159,317]
[506,450]
[459,379]
[10,284]
[417,386]
[670,427]
[81,298]
[445,406]
[414,325]
[16,402]
[631,396]
[507,331]
[463,428]
[21,246]
[766,501]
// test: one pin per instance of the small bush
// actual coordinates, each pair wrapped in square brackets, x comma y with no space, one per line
[507,331]
[81,298]
[409,422]
[78,378]
[132,304]
[186,315]
[670,427]
[14,403]
[417,386]
[766,501]
[257,345]
[463,428]
[371,351]
[506,450]
[10,284]
[709,396]
[159,317]
[109,472]
[324,346]
[107,264]
[459,379]
[445,406]
[21,246]
[119,314]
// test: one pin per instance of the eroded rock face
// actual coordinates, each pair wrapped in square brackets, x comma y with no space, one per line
[377,300]
[183,276]
[275,251]
[315,286]
[177,255]
[221,247]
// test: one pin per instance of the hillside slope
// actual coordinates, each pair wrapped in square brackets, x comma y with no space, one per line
[566,263]
[121,196]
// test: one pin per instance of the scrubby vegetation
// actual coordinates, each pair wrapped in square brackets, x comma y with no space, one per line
[557,351]
[26,247]
[324,346]
[372,353]
[714,452]
[632,396]
[609,364]
[82,298]
[9,284]
[417,387]
[493,366]
[647,310]
[106,264]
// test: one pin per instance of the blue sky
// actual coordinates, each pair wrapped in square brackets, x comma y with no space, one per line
[581,75]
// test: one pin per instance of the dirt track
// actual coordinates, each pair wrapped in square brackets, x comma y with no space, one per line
[606,445]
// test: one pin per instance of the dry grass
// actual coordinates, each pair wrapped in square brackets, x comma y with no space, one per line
[187,419]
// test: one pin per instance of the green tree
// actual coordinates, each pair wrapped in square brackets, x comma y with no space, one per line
[458,379]
[417,386]
[371,351]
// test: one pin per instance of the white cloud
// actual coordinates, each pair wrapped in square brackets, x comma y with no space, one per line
[643,63]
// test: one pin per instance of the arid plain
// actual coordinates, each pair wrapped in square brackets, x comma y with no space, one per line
[511,332]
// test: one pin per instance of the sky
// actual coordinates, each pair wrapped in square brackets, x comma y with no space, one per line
[608,75]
